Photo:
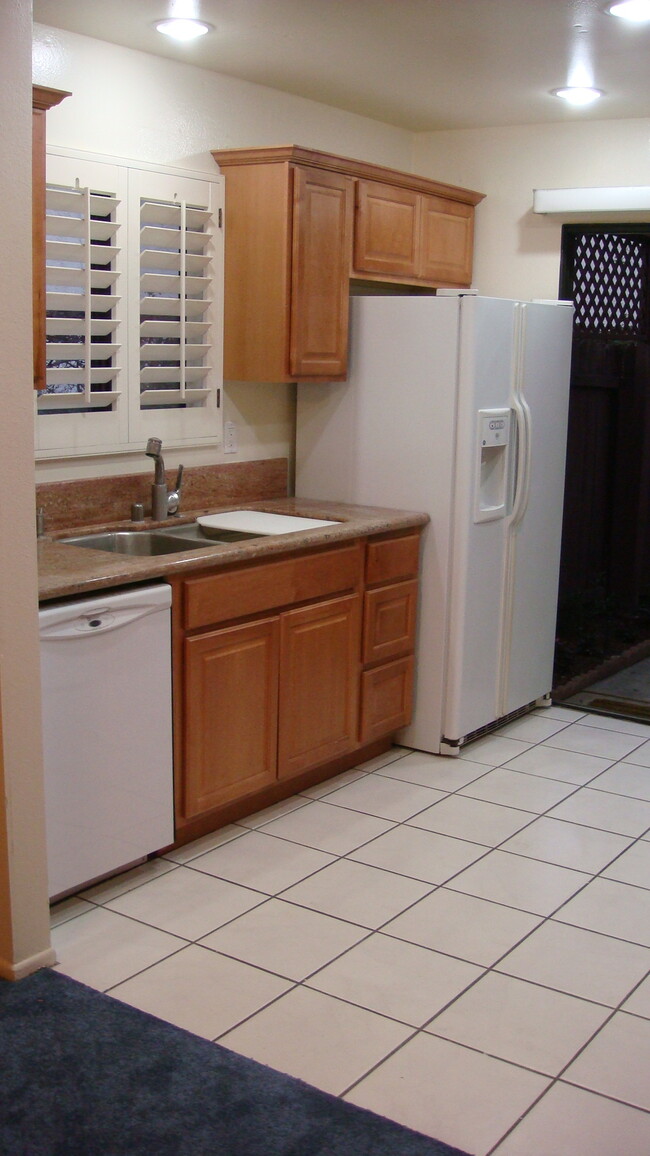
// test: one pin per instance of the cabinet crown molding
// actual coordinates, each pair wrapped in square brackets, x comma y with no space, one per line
[45,98]
[298,154]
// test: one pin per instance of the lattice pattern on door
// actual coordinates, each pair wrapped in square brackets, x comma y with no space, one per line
[610,284]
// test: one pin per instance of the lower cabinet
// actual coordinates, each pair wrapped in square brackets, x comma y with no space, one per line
[319,683]
[231,712]
[269,699]
[278,689]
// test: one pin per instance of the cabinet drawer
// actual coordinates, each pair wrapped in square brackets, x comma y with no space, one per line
[386,698]
[251,590]
[392,558]
[389,621]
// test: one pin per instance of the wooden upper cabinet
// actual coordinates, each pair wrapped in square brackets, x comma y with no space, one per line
[402,234]
[386,238]
[322,244]
[288,250]
[299,225]
[446,242]
[42,100]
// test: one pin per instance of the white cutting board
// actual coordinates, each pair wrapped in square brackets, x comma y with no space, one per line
[261,522]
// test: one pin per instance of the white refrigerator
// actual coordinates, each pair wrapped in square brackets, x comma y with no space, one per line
[456,405]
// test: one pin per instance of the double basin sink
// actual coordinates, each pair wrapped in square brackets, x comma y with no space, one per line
[218,530]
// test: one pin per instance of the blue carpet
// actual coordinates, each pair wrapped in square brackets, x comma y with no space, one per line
[82,1074]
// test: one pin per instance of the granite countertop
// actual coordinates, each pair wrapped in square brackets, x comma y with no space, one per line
[65,569]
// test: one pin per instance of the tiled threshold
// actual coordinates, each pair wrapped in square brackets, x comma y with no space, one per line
[460,944]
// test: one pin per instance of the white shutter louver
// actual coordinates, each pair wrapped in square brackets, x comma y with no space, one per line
[175,286]
[82,293]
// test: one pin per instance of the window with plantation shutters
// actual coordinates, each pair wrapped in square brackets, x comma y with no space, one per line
[134,306]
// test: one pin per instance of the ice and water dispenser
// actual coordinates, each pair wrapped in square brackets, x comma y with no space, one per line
[492,474]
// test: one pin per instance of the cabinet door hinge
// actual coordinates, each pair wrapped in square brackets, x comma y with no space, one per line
[220,219]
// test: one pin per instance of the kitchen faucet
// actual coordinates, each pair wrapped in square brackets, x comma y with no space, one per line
[163,501]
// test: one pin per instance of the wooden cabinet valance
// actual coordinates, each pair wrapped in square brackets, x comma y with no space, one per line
[300,225]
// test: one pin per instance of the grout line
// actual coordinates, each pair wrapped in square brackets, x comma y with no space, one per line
[557,1079]
[367,933]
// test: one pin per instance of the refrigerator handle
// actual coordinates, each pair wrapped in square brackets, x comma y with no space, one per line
[522,472]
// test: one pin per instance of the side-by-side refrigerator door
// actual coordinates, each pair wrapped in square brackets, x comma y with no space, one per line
[508,496]
[483,493]
[532,561]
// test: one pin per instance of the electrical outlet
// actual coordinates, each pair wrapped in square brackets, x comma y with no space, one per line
[229,438]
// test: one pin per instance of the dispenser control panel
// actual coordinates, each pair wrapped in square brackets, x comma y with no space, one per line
[492,472]
[495,427]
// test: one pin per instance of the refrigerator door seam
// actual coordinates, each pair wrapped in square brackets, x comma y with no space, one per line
[524,422]
[520,503]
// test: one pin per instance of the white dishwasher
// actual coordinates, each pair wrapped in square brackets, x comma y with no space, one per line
[107,732]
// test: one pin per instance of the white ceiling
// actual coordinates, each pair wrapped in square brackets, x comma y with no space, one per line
[417,64]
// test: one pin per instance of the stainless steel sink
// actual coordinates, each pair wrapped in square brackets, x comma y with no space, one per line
[206,536]
[150,543]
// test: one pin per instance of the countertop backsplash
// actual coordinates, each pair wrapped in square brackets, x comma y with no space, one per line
[97,501]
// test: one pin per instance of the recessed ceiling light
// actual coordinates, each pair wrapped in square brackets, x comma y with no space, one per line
[577,95]
[636,10]
[183,29]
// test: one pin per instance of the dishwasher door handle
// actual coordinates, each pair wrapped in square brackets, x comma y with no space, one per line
[96,621]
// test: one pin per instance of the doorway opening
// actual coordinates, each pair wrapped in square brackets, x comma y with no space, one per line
[604,595]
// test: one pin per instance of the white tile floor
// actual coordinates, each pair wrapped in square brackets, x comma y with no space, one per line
[460,944]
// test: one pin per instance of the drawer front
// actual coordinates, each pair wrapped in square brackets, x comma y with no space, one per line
[392,558]
[386,698]
[389,621]
[254,589]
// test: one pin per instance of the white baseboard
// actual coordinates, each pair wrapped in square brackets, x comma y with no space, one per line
[9,970]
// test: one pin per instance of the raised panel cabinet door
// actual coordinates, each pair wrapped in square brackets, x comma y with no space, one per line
[231,708]
[387,230]
[447,239]
[323,213]
[257,269]
[319,683]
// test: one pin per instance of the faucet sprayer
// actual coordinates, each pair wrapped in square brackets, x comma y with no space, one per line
[163,502]
[154,450]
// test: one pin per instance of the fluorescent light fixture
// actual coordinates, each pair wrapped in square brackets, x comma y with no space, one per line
[183,29]
[637,11]
[604,200]
[577,94]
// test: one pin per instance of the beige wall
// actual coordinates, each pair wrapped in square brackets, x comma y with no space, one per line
[135,105]
[24,924]
[131,104]
[517,252]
